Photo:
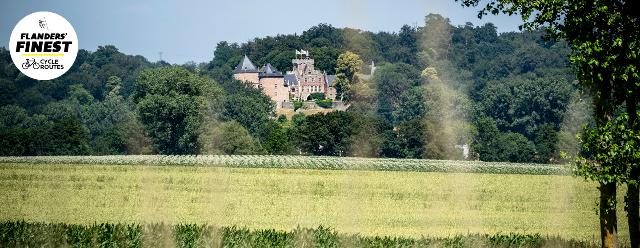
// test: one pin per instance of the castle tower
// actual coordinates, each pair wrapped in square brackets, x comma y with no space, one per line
[272,84]
[247,71]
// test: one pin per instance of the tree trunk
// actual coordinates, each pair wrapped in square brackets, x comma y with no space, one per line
[608,218]
[633,215]
[608,221]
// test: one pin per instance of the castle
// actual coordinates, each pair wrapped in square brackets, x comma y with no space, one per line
[297,84]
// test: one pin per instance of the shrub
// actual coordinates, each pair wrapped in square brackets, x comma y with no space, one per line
[326,103]
[316,96]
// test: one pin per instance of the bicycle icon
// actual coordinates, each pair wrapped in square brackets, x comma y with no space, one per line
[30,63]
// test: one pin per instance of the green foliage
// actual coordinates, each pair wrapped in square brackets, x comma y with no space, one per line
[411,138]
[228,138]
[34,234]
[280,141]
[468,59]
[325,59]
[606,148]
[491,145]
[324,103]
[411,105]
[516,240]
[316,96]
[603,37]
[522,105]
[514,147]
[435,39]
[546,141]
[392,81]
[171,103]
[297,105]
[327,134]
[486,144]
[248,106]
[38,135]
[347,66]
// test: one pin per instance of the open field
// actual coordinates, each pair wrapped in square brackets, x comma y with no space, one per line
[369,202]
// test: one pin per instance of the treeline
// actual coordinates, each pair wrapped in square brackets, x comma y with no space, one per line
[435,87]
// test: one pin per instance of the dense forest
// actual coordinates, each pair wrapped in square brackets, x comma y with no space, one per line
[510,96]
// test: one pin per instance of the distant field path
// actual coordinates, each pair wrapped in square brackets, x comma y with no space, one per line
[368,196]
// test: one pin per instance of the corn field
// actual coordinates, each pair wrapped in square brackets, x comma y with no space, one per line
[34,234]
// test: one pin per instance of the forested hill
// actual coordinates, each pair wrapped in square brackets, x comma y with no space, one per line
[436,86]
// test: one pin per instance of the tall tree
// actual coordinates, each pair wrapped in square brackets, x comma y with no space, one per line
[171,103]
[347,66]
[604,37]
[327,134]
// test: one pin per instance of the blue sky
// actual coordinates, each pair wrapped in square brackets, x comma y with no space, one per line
[188,30]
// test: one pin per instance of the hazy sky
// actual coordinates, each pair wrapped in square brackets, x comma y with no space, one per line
[188,30]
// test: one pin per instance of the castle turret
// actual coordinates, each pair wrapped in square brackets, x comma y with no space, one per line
[245,66]
[247,71]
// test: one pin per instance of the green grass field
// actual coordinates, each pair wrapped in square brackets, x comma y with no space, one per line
[396,203]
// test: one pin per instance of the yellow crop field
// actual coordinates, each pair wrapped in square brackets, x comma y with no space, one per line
[398,203]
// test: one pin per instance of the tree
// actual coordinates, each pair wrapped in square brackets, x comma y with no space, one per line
[325,59]
[411,105]
[222,54]
[71,137]
[327,134]
[250,107]
[171,103]
[323,35]
[604,37]
[522,105]
[279,140]
[8,91]
[347,66]
[436,39]
[410,138]
[228,138]
[546,141]
[514,147]
[485,144]
[408,42]
[366,140]
[605,147]
[393,83]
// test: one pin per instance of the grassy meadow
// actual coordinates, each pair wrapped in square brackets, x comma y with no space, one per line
[384,203]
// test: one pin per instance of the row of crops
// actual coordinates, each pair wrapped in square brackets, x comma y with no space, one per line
[25,234]
[303,162]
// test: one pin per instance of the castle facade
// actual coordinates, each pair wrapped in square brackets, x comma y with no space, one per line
[297,84]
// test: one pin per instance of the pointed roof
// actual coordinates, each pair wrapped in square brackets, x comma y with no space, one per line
[269,71]
[245,65]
